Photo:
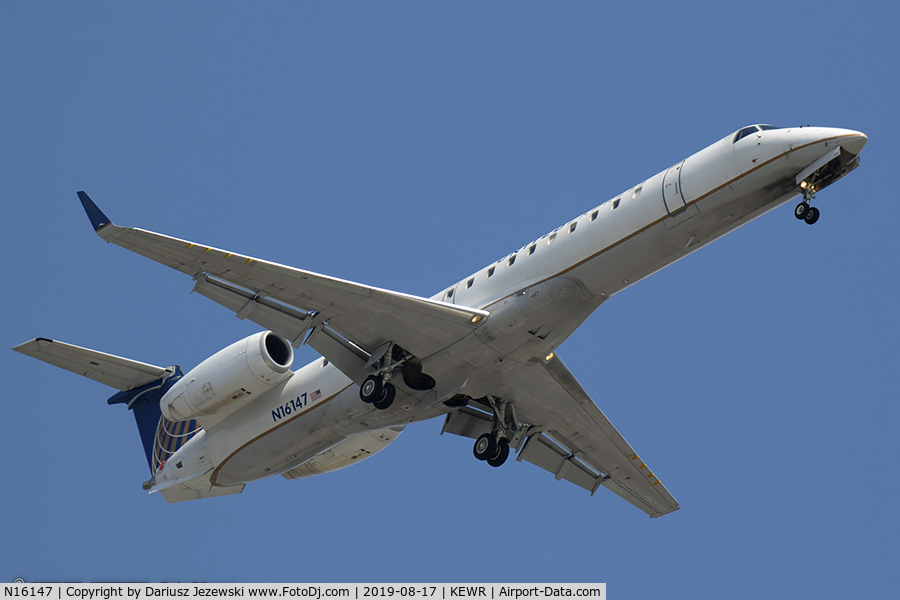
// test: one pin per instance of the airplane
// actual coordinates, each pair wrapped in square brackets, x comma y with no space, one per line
[481,353]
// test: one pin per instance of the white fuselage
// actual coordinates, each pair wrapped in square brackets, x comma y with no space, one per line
[537,296]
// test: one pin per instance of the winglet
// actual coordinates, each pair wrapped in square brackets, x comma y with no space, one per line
[98,219]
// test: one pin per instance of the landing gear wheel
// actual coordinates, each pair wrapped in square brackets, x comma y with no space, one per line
[502,454]
[387,397]
[802,210]
[485,447]
[371,389]
[812,215]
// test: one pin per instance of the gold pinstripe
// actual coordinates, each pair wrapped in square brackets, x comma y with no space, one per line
[215,473]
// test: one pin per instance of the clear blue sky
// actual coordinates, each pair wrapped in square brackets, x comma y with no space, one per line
[406,145]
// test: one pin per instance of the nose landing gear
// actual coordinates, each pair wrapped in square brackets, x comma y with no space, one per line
[804,211]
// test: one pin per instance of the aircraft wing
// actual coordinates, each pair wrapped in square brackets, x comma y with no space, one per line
[293,302]
[114,371]
[576,441]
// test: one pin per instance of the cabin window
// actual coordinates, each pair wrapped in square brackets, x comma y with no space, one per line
[511,261]
[550,238]
[594,215]
[637,191]
[572,226]
[531,249]
[450,293]
[616,203]
[490,271]
[470,282]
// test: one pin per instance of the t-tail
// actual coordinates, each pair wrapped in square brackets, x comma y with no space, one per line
[140,385]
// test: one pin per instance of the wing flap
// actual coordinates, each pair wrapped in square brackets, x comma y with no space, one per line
[108,369]
[346,356]
[542,452]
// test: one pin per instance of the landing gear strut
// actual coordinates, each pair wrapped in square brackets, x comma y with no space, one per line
[494,447]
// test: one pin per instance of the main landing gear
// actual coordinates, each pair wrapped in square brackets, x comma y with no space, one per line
[804,211]
[493,447]
[378,391]
[377,388]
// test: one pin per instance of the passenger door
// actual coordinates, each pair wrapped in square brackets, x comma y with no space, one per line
[672,195]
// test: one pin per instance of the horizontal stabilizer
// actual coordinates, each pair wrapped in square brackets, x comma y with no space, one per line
[114,371]
[140,385]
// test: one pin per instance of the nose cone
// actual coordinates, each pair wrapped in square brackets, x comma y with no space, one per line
[852,141]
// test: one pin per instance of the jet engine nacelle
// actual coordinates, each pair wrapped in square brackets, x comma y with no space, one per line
[231,376]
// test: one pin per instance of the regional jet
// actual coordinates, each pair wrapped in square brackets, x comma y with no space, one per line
[481,353]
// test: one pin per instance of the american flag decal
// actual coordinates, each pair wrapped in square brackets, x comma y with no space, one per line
[315,395]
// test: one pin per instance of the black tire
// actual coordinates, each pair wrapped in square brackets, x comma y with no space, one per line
[485,447]
[388,394]
[502,454]
[371,389]
[812,216]
[801,210]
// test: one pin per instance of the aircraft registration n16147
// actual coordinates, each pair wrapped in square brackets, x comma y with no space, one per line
[481,353]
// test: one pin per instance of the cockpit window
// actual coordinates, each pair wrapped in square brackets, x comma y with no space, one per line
[745,132]
[753,129]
